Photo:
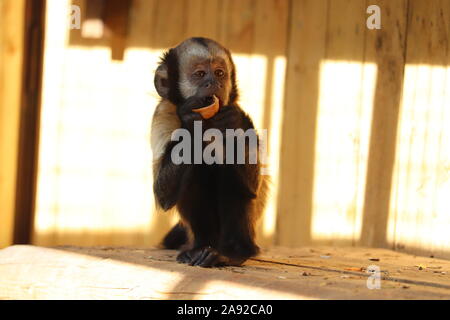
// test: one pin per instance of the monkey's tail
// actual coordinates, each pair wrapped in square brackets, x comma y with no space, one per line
[176,237]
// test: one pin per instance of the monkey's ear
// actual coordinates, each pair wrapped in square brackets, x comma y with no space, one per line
[162,81]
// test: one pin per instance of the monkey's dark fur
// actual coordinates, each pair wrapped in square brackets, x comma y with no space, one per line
[218,203]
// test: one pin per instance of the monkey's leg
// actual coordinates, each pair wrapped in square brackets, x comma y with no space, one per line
[207,256]
[176,237]
[205,232]
[236,239]
[235,242]
[170,179]
[198,207]
[235,236]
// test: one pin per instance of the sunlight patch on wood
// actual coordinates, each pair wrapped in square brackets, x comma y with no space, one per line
[420,206]
[343,131]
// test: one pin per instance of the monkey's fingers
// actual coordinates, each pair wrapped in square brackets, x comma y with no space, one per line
[184,257]
[207,257]
[199,257]
[227,118]
[212,260]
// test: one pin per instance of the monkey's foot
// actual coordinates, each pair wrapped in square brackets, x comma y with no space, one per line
[206,257]
[185,256]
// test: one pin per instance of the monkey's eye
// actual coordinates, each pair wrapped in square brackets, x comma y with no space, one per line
[219,73]
[199,74]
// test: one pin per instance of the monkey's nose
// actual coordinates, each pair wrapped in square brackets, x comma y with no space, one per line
[212,85]
[208,88]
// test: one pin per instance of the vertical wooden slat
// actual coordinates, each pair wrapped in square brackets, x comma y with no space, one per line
[420,198]
[203,18]
[341,126]
[441,245]
[11,54]
[346,30]
[141,23]
[29,122]
[386,48]
[238,25]
[306,48]
[169,23]
[270,42]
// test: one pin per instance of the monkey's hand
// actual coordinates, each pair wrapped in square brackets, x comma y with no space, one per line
[228,117]
[185,113]
[207,257]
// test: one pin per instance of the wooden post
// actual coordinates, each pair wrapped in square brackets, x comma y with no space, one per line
[12,19]
[29,119]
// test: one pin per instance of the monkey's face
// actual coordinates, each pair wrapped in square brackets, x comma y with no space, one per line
[205,78]
[197,67]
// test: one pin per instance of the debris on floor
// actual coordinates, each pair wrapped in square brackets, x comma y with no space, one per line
[67,272]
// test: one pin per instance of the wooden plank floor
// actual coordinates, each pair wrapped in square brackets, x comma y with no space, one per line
[30,272]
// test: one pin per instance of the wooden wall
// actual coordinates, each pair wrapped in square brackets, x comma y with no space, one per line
[398,162]
[358,171]
[11,52]
[67,211]
[358,119]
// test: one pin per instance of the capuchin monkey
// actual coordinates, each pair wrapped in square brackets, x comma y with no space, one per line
[218,203]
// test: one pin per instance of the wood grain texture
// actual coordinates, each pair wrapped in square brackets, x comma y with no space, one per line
[421,176]
[339,144]
[30,272]
[307,47]
[385,47]
[11,54]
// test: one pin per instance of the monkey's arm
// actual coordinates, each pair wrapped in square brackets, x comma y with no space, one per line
[170,179]
[232,117]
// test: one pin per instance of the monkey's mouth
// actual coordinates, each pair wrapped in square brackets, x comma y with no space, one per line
[218,99]
[209,102]
[209,106]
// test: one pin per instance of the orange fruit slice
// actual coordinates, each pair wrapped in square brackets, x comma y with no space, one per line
[209,111]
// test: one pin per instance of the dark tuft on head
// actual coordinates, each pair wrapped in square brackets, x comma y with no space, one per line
[170,59]
[202,41]
[234,93]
